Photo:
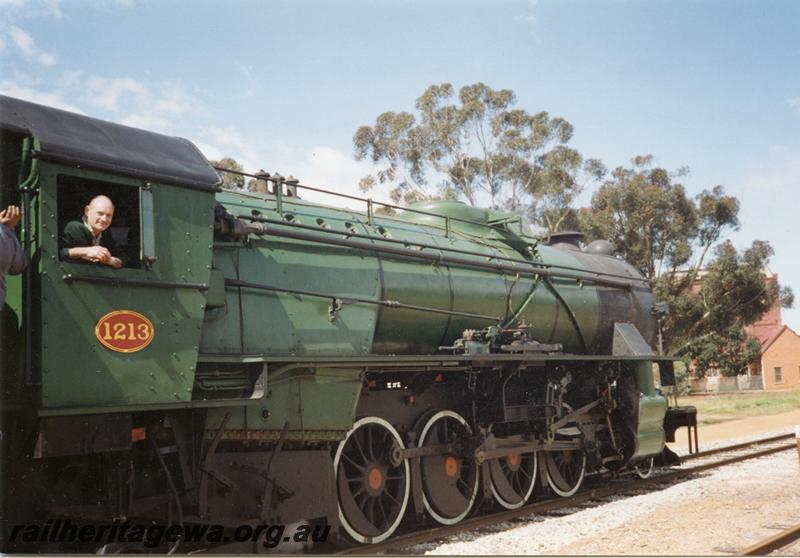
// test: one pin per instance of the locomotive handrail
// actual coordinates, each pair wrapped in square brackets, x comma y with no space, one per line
[280,180]
[381,238]
[70,278]
[533,270]
[26,186]
[338,300]
[435,247]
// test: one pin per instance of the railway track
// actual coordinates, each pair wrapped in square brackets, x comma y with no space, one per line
[622,486]
[776,542]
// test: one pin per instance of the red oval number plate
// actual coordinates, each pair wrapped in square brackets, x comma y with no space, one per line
[124,331]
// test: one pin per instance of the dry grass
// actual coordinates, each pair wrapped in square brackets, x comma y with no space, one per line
[713,409]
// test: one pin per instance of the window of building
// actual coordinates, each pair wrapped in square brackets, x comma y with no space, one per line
[778,375]
[75,193]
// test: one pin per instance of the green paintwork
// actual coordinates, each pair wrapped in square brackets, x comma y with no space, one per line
[281,327]
[310,400]
[650,437]
[649,433]
[286,324]
[76,369]
[280,323]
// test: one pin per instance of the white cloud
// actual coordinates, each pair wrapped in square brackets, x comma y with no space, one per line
[528,14]
[105,92]
[321,166]
[120,99]
[19,10]
[228,141]
[27,47]
[135,102]
[229,137]
[53,8]
[795,103]
[146,121]
[172,99]
[252,83]
[330,169]
[210,152]
[14,89]
[780,173]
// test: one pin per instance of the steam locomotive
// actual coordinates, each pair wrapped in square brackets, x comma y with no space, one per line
[262,359]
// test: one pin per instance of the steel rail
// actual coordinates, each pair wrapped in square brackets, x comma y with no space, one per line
[706,453]
[440,532]
[773,543]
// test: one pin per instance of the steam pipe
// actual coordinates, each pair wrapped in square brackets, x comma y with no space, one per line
[533,270]
[423,245]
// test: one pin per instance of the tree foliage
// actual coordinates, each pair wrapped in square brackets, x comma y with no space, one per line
[230,181]
[478,146]
[653,222]
[730,352]
[733,293]
[668,235]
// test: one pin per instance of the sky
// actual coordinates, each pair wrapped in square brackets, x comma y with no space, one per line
[283,85]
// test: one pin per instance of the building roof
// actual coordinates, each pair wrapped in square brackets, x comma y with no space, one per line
[768,343]
[764,334]
[75,139]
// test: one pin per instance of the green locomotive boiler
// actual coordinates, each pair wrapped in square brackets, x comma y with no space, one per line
[262,359]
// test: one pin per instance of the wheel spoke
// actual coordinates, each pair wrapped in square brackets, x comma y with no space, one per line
[513,484]
[382,510]
[357,444]
[370,511]
[449,483]
[565,472]
[352,462]
[370,448]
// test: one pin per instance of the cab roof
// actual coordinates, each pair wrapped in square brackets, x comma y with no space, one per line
[75,139]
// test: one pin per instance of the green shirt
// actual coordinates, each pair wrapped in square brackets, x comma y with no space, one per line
[77,235]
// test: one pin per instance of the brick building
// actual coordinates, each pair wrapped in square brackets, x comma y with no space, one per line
[778,365]
[779,362]
[770,323]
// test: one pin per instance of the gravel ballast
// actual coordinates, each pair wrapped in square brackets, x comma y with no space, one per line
[717,512]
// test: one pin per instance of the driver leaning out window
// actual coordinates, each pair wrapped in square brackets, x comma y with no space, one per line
[88,238]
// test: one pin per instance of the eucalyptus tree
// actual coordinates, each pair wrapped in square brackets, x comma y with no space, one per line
[230,181]
[654,224]
[475,148]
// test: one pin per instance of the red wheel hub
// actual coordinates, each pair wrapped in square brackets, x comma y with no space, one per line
[451,466]
[375,478]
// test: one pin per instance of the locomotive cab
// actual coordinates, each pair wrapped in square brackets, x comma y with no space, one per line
[92,337]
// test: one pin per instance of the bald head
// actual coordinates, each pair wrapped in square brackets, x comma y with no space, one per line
[99,213]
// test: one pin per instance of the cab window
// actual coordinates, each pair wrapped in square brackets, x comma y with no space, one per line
[75,193]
